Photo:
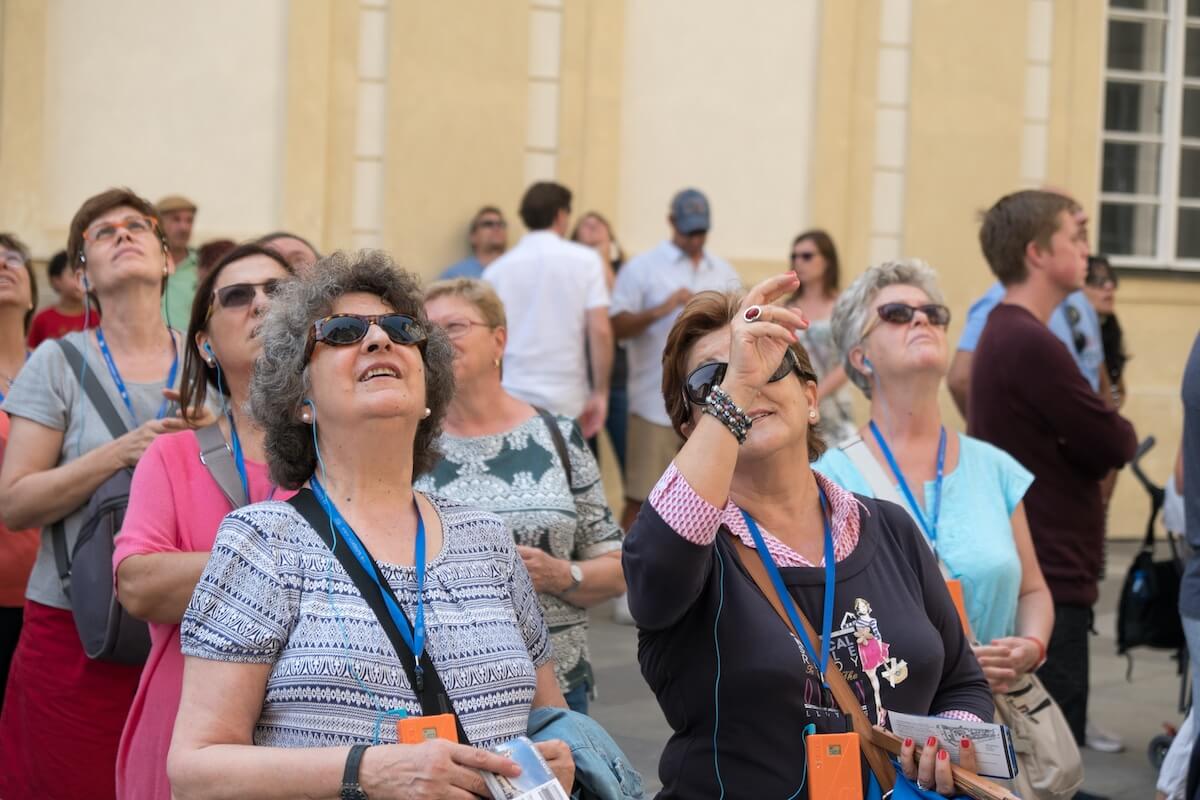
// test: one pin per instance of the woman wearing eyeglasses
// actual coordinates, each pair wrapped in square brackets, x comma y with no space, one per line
[501,454]
[324,626]
[176,503]
[964,494]
[736,686]
[814,259]
[63,713]
[18,548]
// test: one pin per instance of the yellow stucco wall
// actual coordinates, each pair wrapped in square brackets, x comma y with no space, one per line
[778,111]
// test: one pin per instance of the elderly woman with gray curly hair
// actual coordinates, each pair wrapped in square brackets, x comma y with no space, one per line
[361,639]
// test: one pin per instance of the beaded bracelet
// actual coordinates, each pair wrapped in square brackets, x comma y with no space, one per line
[721,405]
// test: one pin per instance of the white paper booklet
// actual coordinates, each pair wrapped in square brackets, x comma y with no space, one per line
[994,753]
[536,781]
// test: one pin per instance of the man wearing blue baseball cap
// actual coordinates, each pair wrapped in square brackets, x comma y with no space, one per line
[650,291]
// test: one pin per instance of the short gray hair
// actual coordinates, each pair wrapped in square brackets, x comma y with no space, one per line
[854,307]
[280,382]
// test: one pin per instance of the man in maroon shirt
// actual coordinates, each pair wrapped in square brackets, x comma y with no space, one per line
[1028,398]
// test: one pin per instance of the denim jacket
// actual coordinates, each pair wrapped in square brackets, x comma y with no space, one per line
[602,772]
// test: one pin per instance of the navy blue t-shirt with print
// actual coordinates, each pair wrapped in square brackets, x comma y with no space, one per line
[897,639]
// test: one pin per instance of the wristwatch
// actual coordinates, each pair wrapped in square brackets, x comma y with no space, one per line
[351,790]
[576,578]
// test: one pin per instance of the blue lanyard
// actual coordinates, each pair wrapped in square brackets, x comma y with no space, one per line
[785,598]
[414,638]
[116,375]
[930,526]
[239,458]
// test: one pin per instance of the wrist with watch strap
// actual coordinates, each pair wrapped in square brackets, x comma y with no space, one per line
[576,578]
[351,788]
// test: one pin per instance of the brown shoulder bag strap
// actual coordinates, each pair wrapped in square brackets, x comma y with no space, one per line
[876,742]
[877,759]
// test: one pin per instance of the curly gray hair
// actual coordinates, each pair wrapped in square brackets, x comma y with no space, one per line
[855,306]
[281,380]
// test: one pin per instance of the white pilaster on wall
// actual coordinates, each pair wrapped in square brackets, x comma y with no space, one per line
[1035,131]
[545,66]
[370,126]
[891,130]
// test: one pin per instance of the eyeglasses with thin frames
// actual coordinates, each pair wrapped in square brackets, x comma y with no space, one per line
[107,231]
[12,260]
[458,328]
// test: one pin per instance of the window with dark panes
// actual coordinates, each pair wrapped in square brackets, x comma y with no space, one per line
[1150,168]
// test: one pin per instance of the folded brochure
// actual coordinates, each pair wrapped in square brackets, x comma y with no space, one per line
[995,756]
[536,781]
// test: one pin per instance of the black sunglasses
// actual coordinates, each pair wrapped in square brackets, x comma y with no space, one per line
[237,295]
[902,313]
[704,377]
[340,330]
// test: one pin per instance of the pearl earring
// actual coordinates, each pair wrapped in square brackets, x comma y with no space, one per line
[306,417]
[428,411]
[812,413]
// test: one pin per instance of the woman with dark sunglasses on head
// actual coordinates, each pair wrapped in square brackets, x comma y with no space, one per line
[736,686]
[327,629]
[1101,291]
[63,712]
[964,494]
[176,502]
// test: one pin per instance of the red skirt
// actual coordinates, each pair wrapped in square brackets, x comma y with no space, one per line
[63,713]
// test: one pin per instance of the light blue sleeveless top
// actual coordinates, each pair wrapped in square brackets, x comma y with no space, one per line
[975,537]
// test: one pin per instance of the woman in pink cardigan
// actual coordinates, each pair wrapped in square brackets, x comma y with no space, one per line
[176,505]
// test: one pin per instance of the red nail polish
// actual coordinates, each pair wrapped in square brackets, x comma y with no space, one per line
[931,742]
[943,755]
[966,744]
[908,742]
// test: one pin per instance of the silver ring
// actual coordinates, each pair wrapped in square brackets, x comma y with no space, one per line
[753,314]
[922,786]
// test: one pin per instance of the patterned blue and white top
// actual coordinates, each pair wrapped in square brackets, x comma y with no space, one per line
[273,593]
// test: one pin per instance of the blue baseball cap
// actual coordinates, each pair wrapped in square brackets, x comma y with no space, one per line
[689,212]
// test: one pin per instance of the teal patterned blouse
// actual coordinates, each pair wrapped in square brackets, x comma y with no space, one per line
[518,476]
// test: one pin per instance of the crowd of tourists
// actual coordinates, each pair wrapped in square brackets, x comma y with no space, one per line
[279,523]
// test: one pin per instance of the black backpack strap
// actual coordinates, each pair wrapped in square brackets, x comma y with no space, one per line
[433,696]
[216,456]
[560,443]
[94,391]
[116,428]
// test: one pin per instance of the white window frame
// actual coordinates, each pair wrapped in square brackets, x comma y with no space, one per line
[1170,140]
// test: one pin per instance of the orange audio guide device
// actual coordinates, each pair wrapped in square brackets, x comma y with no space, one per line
[834,766]
[414,730]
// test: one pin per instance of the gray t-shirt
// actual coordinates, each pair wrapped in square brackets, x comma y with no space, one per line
[47,392]
[1189,592]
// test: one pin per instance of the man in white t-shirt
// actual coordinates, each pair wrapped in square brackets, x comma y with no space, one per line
[556,299]
[649,293]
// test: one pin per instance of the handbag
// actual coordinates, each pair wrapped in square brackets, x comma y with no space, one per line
[1050,766]
[107,632]
[876,743]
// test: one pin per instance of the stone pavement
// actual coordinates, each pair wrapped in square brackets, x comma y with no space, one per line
[1136,710]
